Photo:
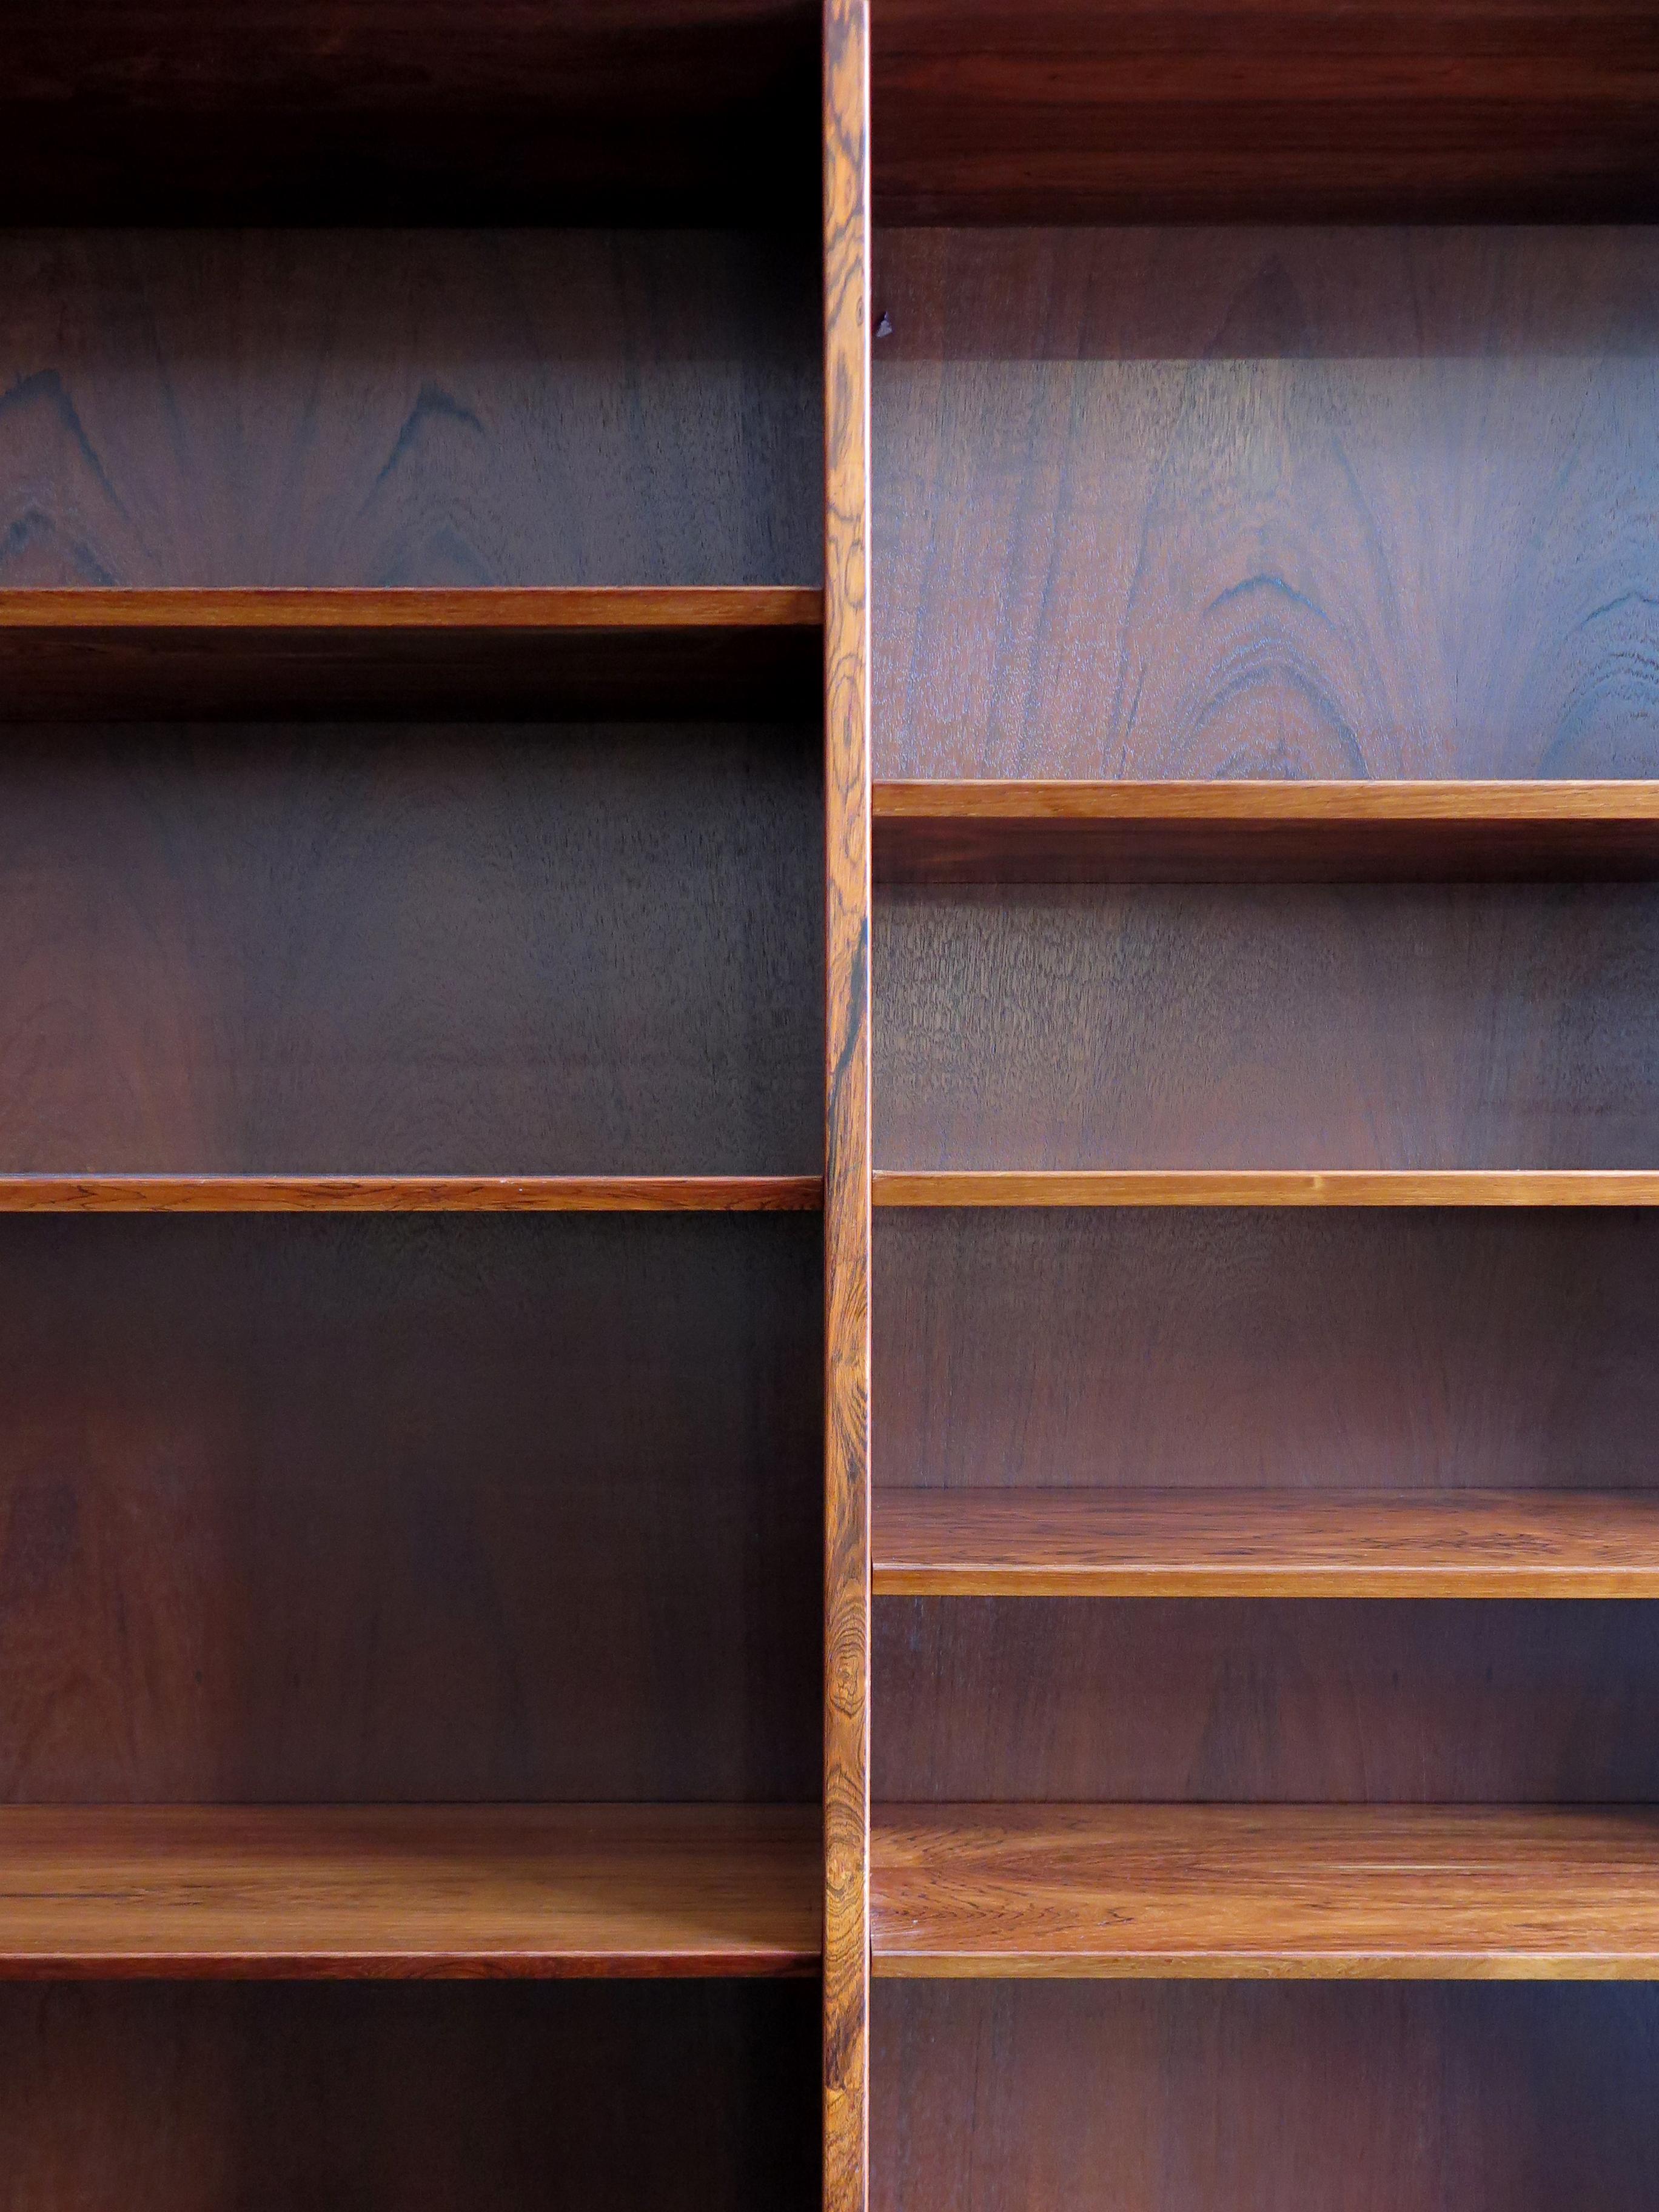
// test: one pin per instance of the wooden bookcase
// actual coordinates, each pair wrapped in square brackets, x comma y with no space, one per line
[829,857]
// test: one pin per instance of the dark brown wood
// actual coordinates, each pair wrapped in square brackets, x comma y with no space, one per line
[453,1891]
[1282,503]
[305,1509]
[1293,1027]
[452,111]
[846,1222]
[178,2098]
[1266,1543]
[1455,1892]
[1296,1701]
[1184,2096]
[409,1195]
[536,655]
[1483,110]
[411,951]
[941,831]
[436,407]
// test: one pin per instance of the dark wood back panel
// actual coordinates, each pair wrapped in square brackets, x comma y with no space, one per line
[1349,1701]
[411,950]
[453,2097]
[440,407]
[1190,2097]
[1298,503]
[1267,1026]
[1330,1350]
[402,1508]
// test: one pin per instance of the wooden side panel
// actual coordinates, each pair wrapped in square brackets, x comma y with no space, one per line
[847,1221]
[396,408]
[1268,503]
[692,2097]
[1173,2097]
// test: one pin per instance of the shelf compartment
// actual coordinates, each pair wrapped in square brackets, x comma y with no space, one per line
[1267,1187]
[399,1892]
[550,653]
[1266,1543]
[231,1194]
[1256,1892]
[970,831]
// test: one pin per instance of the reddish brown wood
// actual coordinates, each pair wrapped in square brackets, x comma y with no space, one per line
[1280,1186]
[35,1193]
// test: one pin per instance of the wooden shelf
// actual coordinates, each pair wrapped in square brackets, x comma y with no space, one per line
[544,654]
[1266,1187]
[228,1193]
[965,832]
[1266,1543]
[343,1892]
[1249,1892]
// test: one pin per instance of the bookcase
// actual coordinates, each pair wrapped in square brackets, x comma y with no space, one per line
[829,1106]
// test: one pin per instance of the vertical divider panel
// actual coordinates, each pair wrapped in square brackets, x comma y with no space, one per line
[847,1076]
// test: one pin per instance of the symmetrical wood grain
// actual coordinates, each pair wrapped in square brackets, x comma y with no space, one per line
[88,653]
[847,1226]
[1273,1187]
[938,830]
[451,1891]
[1290,503]
[434,408]
[1455,1892]
[1265,1543]
[39,1194]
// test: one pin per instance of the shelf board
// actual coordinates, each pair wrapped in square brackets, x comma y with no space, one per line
[1266,1187]
[1251,1893]
[966,832]
[230,1193]
[347,1892]
[546,654]
[1266,1543]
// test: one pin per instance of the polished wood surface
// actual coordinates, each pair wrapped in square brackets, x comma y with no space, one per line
[321,1509]
[1274,1187]
[1283,1027]
[86,653]
[942,830]
[1193,111]
[36,1194]
[397,409]
[300,111]
[847,1224]
[1266,503]
[1265,1543]
[1454,1892]
[1189,2096]
[452,1890]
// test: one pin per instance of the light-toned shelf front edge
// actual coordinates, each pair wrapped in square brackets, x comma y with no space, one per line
[1266,1187]
[510,610]
[1261,800]
[228,1193]
[1034,1543]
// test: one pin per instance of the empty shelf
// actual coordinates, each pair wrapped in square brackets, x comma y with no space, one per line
[227,1194]
[1266,1187]
[1245,1892]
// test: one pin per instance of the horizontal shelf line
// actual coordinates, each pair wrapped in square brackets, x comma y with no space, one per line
[516,610]
[1246,1892]
[374,1892]
[1266,1543]
[1253,1186]
[227,1193]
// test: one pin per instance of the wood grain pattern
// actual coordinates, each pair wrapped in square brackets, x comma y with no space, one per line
[1268,503]
[409,409]
[1483,111]
[847,1223]
[88,653]
[305,1508]
[941,830]
[1385,1028]
[1265,1543]
[181,2097]
[1455,1892]
[452,1890]
[410,1193]
[411,950]
[1279,1186]
[1292,1701]
[1187,2096]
